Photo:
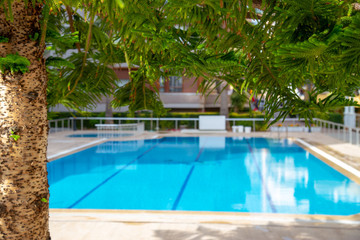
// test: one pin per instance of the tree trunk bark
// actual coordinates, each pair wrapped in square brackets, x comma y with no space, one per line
[23,111]
[71,23]
[224,103]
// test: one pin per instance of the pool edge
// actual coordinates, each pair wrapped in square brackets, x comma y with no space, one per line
[337,164]
[145,216]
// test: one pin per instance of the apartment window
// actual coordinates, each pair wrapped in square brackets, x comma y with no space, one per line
[175,84]
[122,82]
[162,85]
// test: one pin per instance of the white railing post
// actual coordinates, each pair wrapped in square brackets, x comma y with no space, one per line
[350,135]
[82,124]
[176,124]
[254,125]
[278,132]
[332,128]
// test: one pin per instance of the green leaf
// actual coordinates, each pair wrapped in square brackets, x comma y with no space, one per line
[120,3]
[15,137]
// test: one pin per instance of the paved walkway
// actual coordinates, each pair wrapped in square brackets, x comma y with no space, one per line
[158,225]
[192,226]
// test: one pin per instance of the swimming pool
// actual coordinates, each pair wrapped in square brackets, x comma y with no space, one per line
[201,174]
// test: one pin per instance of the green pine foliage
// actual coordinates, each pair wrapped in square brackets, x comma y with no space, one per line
[238,101]
[79,80]
[3,39]
[276,48]
[14,63]
[301,45]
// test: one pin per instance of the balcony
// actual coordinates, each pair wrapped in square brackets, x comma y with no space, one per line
[178,100]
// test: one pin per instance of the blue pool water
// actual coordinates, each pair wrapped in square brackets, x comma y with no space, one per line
[102,135]
[201,174]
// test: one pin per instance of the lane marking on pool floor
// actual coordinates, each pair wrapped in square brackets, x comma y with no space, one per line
[51,157]
[113,175]
[272,206]
[182,189]
[331,158]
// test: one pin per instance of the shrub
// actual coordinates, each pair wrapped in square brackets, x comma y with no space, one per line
[168,125]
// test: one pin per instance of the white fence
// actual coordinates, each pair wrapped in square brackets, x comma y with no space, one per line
[339,131]
[118,130]
[151,124]
[335,130]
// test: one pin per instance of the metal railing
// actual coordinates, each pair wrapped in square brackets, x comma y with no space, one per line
[336,130]
[152,124]
[339,131]
[58,125]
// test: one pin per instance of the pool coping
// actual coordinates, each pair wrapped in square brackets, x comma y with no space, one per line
[332,161]
[76,149]
[199,217]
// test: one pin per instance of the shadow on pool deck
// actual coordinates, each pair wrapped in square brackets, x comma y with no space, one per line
[177,230]
[260,232]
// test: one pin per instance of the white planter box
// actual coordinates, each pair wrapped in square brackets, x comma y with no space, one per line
[212,123]
[314,129]
[278,129]
[289,129]
[239,129]
[294,129]
[247,129]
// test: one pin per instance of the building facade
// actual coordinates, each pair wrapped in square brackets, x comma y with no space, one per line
[179,94]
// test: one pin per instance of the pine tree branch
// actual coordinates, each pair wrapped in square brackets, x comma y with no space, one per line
[87,47]
[71,23]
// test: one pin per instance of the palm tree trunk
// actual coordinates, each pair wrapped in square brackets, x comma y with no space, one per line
[224,102]
[23,175]
[108,110]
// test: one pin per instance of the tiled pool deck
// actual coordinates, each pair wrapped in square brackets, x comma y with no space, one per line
[167,225]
